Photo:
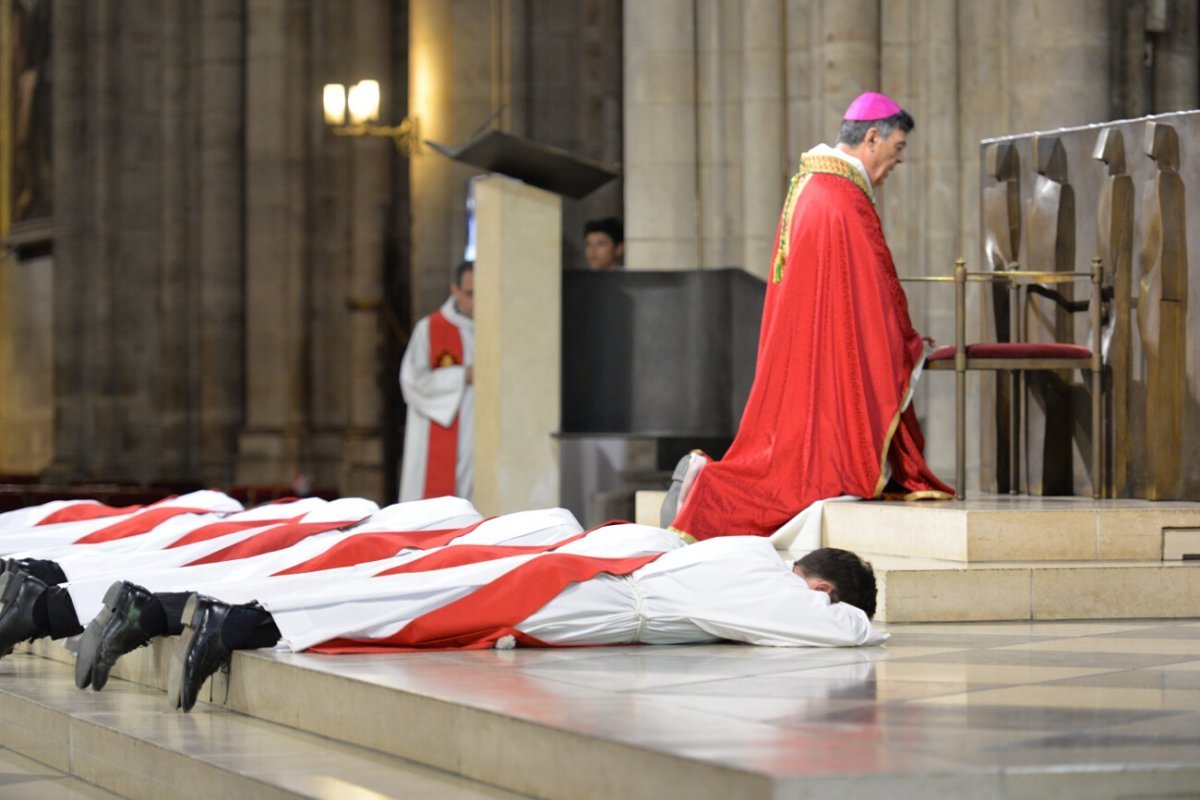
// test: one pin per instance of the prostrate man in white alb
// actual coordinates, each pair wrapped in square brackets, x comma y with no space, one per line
[619,584]
[437,381]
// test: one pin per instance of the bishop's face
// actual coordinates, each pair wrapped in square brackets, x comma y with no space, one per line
[880,156]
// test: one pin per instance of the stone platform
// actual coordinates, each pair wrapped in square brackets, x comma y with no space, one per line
[1014,557]
[1000,710]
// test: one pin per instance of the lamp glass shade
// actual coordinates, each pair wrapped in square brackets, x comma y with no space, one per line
[363,102]
[335,104]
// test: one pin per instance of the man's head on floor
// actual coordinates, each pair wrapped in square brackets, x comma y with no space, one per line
[604,244]
[843,574]
[875,131]
[463,288]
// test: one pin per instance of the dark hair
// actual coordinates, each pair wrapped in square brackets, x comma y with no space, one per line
[461,270]
[610,225]
[852,578]
[853,131]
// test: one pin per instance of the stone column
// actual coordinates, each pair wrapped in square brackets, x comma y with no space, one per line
[663,225]
[353,184]
[518,291]
[765,171]
[1176,58]
[921,200]
[849,53]
[453,88]
[270,446]
[720,133]
[1062,79]
[216,240]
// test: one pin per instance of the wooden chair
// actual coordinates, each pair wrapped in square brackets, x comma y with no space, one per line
[1019,357]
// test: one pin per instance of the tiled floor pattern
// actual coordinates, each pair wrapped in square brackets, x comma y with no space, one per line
[996,699]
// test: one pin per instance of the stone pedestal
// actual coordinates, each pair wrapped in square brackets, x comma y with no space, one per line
[518,289]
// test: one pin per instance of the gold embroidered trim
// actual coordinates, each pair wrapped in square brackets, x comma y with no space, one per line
[832,165]
[785,222]
[687,537]
[927,494]
[924,494]
[811,165]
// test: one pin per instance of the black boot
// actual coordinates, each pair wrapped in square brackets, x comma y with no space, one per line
[23,610]
[131,617]
[213,631]
[46,571]
[199,652]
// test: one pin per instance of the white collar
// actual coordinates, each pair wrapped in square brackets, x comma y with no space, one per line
[826,150]
[450,311]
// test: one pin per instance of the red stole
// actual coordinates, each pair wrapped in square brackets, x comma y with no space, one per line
[77,512]
[445,350]
[479,619]
[218,529]
[836,354]
[139,523]
[363,548]
[272,540]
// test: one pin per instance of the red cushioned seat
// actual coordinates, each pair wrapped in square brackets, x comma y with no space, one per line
[1014,360]
[1014,350]
[1027,350]
[943,353]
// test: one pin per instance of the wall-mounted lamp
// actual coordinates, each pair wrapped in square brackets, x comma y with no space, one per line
[353,112]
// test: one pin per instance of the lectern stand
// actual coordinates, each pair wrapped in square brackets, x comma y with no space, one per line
[518,302]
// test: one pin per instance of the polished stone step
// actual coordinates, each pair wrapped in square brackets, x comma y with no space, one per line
[993,710]
[25,779]
[932,590]
[1019,557]
[429,709]
[1012,528]
[125,741]
[1005,528]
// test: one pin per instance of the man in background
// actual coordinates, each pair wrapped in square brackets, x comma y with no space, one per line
[437,381]
[604,244]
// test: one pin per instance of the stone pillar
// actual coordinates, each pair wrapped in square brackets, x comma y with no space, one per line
[454,86]
[663,223]
[720,134]
[765,171]
[921,199]
[518,291]
[1176,61]
[214,250]
[1039,48]
[353,187]
[849,53]
[26,356]
[270,446]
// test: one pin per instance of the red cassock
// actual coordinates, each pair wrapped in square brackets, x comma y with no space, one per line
[836,357]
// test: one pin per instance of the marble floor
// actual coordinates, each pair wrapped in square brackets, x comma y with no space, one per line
[1088,709]
[990,710]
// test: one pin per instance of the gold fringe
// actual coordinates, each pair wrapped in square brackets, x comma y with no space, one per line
[925,494]
[887,445]
[810,165]
[928,494]
[687,537]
